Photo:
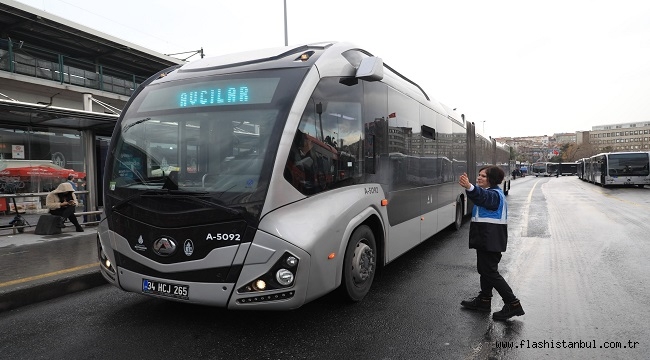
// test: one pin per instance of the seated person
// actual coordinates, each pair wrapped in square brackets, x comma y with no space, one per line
[62,202]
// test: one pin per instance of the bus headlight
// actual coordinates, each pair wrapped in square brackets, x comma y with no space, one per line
[291,261]
[284,277]
[259,285]
[281,275]
[103,259]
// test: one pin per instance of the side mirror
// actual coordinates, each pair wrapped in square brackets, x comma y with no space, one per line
[371,69]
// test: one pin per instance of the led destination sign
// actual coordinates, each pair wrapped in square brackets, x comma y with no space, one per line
[231,95]
[211,93]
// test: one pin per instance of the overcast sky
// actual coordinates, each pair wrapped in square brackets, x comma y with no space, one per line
[515,68]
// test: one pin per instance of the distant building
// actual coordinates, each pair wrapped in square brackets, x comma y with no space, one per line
[565,138]
[631,136]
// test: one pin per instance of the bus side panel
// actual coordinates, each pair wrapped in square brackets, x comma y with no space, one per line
[321,225]
[448,187]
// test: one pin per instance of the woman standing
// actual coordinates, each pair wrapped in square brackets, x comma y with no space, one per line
[488,234]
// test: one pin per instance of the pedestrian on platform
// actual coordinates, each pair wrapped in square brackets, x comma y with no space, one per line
[62,202]
[488,234]
[71,181]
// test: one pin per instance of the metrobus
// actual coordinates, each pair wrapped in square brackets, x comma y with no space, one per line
[568,168]
[267,179]
[580,168]
[618,168]
[544,168]
[502,160]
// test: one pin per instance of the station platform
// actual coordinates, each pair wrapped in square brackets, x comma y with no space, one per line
[36,268]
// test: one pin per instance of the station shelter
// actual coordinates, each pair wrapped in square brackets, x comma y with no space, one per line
[62,88]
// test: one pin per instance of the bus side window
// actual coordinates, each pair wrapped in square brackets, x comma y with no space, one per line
[330,134]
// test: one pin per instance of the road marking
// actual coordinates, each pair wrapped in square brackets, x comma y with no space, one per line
[524,216]
[43,276]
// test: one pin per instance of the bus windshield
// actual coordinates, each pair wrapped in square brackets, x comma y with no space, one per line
[628,164]
[203,136]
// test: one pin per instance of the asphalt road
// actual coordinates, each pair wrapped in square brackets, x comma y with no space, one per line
[577,259]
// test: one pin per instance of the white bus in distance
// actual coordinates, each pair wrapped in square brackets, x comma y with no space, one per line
[617,169]
[544,168]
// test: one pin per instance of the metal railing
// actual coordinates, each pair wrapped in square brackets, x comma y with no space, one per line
[92,217]
[66,70]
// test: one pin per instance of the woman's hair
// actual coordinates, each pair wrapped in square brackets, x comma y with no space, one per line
[494,174]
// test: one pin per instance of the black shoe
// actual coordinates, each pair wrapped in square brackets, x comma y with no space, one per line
[478,303]
[508,311]
[80,229]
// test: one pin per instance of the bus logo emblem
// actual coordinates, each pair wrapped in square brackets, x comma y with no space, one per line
[164,246]
[188,247]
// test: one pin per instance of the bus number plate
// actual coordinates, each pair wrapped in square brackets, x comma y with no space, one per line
[164,289]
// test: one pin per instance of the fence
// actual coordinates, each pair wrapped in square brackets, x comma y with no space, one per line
[32,204]
[58,68]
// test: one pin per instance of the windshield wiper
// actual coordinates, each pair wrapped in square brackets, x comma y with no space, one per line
[128,126]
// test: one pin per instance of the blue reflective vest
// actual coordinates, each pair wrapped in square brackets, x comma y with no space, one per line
[488,230]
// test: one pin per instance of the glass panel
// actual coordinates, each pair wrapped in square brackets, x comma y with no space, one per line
[204,136]
[628,165]
[328,145]
[38,161]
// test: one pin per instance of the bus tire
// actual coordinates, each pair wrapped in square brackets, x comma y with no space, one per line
[458,222]
[359,264]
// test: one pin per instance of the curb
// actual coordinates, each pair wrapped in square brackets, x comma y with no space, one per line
[27,295]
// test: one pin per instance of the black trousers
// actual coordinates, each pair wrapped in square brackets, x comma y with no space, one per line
[487,264]
[67,212]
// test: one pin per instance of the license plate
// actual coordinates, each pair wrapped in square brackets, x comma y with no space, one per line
[164,289]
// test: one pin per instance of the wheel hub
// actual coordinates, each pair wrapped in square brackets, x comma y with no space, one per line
[363,263]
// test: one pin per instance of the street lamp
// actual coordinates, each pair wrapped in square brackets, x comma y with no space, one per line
[483,126]
[286,33]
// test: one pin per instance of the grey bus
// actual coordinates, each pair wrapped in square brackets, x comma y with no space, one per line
[618,169]
[267,179]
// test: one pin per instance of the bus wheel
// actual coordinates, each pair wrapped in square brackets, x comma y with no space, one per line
[459,216]
[359,264]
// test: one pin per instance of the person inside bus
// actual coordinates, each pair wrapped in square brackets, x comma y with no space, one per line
[488,234]
[62,202]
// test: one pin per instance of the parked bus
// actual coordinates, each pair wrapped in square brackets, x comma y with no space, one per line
[619,168]
[580,168]
[267,179]
[544,169]
[502,159]
[568,169]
